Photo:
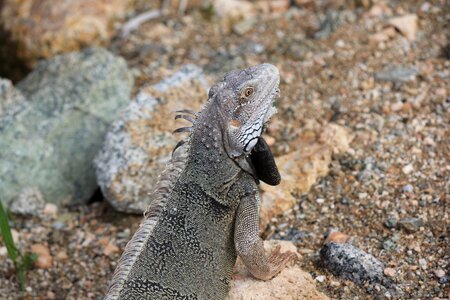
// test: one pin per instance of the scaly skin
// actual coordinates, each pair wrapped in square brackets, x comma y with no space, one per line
[206,207]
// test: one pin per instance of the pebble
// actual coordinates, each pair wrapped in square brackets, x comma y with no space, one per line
[423,263]
[390,222]
[321,278]
[390,272]
[408,188]
[44,260]
[338,237]
[110,249]
[50,209]
[411,224]
[439,273]
[408,169]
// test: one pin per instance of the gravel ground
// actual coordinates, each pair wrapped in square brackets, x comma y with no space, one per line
[390,192]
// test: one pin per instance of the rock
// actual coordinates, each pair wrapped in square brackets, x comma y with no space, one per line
[51,141]
[439,273]
[338,237]
[291,283]
[407,25]
[12,101]
[139,143]
[110,249]
[321,278]
[408,169]
[301,169]
[50,209]
[391,222]
[390,272]
[408,188]
[41,29]
[397,74]
[44,259]
[28,202]
[231,12]
[349,262]
[411,224]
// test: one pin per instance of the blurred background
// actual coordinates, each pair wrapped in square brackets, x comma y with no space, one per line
[88,91]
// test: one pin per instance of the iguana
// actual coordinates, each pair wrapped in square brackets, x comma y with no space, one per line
[205,208]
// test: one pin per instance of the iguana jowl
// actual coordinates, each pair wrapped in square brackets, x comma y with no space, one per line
[205,209]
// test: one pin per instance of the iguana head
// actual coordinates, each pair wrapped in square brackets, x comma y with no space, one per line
[245,99]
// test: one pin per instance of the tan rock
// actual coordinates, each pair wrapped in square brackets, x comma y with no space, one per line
[382,36]
[44,259]
[42,29]
[231,12]
[300,170]
[336,137]
[110,249]
[275,6]
[390,272]
[407,25]
[50,209]
[338,237]
[291,283]
[62,255]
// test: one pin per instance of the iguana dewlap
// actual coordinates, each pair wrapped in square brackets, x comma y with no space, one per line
[205,206]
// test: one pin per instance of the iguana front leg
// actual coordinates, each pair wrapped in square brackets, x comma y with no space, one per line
[250,247]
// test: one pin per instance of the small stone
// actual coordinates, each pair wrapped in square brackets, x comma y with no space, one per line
[62,255]
[44,259]
[407,25]
[3,251]
[397,74]
[423,263]
[110,249]
[338,237]
[408,188]
[439,273]
[321,278]
[389,272]
[408,169]
[320,200]
[50,209]
[411,224]
[391,222]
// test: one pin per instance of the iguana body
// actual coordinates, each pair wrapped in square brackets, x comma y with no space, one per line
[205,207]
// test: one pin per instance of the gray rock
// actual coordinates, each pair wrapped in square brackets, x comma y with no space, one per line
[139,143]
[397,74]
[411,224]
[11,102]
[49,140]
[349,262]
[28,202]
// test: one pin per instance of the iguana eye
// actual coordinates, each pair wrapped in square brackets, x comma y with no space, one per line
[247,92]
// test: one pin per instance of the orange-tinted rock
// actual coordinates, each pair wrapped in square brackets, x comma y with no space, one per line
[291,283]
[300,170]
[338,237]
[43,28]
[44,259]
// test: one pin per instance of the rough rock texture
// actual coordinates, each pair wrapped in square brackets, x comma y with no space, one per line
[11,102]
[42,29]
[291,283]
[28,202]
[140,142]
[51,140]
[351,263]
[300,169]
